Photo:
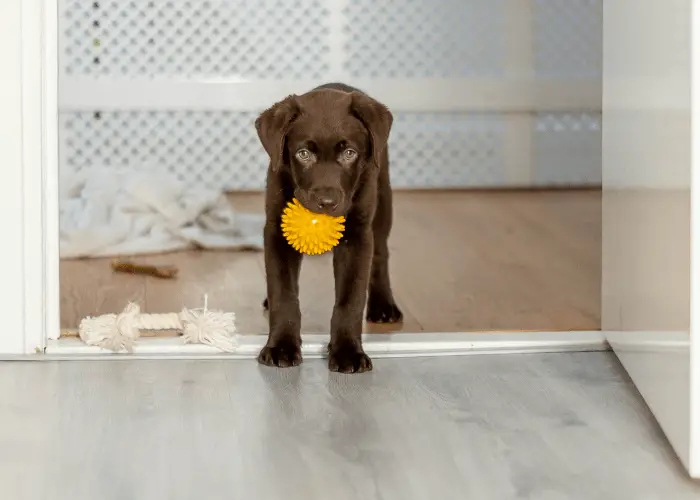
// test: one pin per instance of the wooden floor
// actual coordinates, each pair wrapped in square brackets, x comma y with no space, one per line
[461,261]
[535,427]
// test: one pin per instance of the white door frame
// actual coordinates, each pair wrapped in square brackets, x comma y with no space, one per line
[694,382]
[29,191]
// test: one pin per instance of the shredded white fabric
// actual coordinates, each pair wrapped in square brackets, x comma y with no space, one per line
[110,212]
[118,332]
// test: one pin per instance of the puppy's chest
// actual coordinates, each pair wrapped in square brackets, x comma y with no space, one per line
[356,227]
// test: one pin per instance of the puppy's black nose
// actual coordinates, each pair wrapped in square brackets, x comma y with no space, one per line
[326,202]
[327,198]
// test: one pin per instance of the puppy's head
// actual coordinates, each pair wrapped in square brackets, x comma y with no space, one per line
[326,138]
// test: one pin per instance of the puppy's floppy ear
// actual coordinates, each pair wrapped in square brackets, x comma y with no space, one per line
[377,118]
[273,126]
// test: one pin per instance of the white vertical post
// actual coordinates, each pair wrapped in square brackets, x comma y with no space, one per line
[31,171]
[694,418]
[39,171]
[28,150]
[519,62]
[11,188]
[336,41]
[50,166]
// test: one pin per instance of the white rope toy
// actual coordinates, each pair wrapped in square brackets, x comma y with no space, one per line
[118,332]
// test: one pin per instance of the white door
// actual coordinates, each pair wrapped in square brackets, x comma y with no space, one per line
[651,190]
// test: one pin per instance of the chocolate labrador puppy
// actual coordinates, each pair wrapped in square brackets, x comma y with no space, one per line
[328,148]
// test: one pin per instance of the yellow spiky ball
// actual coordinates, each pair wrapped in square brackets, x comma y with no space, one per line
[308,232]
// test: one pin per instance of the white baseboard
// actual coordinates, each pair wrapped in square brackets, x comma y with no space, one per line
[376,345]
[661,341]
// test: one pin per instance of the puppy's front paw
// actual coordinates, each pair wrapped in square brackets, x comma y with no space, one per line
[284,354]
[348,358]
[383,311]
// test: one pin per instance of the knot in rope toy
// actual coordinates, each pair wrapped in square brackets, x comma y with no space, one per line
[118,332]
[308,232]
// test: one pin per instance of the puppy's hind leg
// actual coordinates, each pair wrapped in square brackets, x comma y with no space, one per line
[381,306]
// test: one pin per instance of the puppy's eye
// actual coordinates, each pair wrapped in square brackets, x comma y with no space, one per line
[349,154]
[303,155]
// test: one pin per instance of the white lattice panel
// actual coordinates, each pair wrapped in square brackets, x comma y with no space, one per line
[409,39]
[567,149]
[316,40]
[447,150]
[278,39]
[195,38]
[216,149]
[568,38]
[220,149]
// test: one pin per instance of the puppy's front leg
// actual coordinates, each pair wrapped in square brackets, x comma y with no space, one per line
[282,264]
[351,267]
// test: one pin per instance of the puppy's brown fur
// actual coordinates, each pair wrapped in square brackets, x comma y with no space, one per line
[328,148]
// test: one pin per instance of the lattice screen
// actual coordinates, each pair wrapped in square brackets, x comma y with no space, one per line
[294,40]
[409,39]
[568,38]
[567,149]
[196,38]
[290,39]
[221,148]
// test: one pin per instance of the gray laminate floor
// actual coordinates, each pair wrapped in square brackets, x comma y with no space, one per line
[559,426]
